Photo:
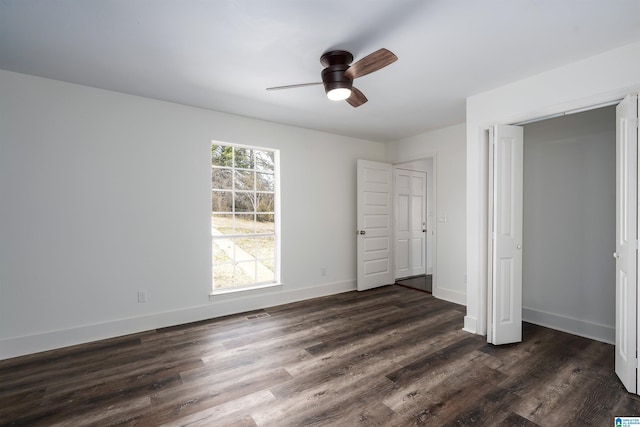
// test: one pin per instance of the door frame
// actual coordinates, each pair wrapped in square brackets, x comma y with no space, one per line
[475,320]
[432,185]
[483,314]
[512,107]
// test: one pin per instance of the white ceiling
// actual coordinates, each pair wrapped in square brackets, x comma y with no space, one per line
[222,54]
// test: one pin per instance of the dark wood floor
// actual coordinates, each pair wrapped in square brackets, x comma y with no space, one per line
[391,356]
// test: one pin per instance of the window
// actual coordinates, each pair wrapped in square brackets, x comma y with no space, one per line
[244,216]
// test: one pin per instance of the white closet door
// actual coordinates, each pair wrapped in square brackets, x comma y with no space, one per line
[626,240]
[505,286]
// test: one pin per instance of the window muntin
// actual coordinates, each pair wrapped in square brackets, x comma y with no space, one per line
[243,216]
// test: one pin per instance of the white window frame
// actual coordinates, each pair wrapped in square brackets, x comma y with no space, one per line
[276,212]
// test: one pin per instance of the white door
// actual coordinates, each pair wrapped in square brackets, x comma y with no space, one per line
[626,240]
[410,222]
[374,215]
[505,228]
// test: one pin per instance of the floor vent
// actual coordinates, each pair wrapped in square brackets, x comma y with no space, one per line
[257,316]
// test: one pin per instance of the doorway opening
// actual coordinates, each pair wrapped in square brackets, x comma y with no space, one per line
[414,228]
[567,219]
[569,223]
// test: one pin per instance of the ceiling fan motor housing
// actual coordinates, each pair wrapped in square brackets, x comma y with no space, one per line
[336,63]
[333,78]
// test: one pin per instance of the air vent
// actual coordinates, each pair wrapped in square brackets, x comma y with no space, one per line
[257,316]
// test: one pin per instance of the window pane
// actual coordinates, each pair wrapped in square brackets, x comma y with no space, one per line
[245,202]
[221,155]
[244,180]
[221,201]
[264,160]
[228,275]
[265,223]
[221,179]
[265,202]
[265,247]
[244,158]
[254,271]
[245,273]
[264,274]
[221,251]
[265,181]
[245,224]
[245,249]
[222,276]
[221,224]
[270,264]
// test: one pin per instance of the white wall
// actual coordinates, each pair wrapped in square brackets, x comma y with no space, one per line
[598,79]
[447,146]
[104,194]
[569,224]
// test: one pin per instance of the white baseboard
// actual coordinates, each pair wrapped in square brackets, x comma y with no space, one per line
[570,325]
[449,295]
[226,305]
[470,324]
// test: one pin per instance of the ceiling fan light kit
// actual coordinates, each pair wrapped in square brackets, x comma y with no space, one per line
[339,94]
[338,75]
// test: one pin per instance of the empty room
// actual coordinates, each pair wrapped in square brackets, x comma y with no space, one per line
[205,207]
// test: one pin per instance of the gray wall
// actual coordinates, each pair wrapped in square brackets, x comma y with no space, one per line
[569,223]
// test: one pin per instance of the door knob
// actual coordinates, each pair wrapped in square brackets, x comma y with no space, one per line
[616,255]
[361,232]
[424,231]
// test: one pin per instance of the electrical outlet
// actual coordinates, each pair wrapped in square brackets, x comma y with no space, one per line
[142,296]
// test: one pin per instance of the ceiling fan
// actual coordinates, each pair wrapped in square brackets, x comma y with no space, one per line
[338,75]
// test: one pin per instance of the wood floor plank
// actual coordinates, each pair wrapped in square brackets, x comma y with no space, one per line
[389,356]
[235,412]
[515,420]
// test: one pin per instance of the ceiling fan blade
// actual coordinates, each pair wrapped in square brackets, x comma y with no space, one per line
[357,98]
[370,63]
[294,86]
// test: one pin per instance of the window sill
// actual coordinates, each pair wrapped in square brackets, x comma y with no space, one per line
[245,291]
